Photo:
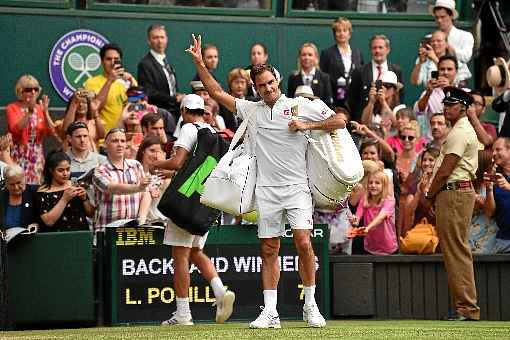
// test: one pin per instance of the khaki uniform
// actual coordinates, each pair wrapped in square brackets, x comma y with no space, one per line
[454,209]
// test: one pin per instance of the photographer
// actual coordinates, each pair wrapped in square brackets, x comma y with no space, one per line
[111,85]
[84,107]
[430,50]
[382,98]
[431,100]
[61,204]
[498,193]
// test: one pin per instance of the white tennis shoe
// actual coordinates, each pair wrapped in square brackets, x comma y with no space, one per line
[225,306]
[178,320]
[313,316]
[266,319]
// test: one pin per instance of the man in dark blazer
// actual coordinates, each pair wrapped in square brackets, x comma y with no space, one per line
[331,63]
[156,75]
[363,77]
[320,85]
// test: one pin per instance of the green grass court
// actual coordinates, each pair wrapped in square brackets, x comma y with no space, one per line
[336,329]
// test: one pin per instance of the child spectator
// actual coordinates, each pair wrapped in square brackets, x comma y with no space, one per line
[377,209]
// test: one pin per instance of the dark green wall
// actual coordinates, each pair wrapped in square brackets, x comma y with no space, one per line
[29,35]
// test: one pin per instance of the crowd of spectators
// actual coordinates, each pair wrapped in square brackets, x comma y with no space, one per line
[118,126]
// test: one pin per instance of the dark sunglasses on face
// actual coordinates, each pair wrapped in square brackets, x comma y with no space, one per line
[30,89]
[409,138]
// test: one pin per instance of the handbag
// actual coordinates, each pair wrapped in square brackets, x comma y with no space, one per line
[181,201]
[421,239]
[231,185]
[334,167]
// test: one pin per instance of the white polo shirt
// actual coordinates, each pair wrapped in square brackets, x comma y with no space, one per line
[280,152]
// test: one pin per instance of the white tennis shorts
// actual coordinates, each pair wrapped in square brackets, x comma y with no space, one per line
[279,205]
[175,236]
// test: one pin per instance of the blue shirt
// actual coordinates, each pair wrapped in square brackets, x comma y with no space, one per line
[502,214]
[13,216]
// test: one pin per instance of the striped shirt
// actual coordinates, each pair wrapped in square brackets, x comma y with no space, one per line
[113,207]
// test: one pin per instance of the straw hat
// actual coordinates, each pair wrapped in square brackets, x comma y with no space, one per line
[450,4]
[498,76]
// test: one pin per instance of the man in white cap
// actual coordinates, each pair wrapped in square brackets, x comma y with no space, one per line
[187,248]
[460,42]
[282,193]
[382,98]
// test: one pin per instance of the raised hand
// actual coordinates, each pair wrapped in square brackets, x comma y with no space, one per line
[195,49]
[45,103]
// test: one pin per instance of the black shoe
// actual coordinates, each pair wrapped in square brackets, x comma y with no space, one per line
[458,317]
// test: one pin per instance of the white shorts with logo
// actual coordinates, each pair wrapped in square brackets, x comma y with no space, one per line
[175,236]
[279,205]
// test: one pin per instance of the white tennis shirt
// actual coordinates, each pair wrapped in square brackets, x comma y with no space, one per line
[281,153]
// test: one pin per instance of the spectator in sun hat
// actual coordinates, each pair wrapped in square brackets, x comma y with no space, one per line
[498,76]
[379,109]
[460,42]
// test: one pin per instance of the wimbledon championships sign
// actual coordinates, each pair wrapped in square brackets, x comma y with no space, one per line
[73,59]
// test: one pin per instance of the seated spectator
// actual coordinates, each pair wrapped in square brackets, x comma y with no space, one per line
[402,118]
[238,83]
[485,132]
[29,121]
[413,206]
[482,236]
[119,185]
[431,100]
[61,205]
[6,146]
[406,159]
[82,159]
[498,193]
[439,130]
[309,74]
[429,52]
[150,151]
[377,210]
[111,86]
[381,101]
[16,199]
[84,107]
[210,55]
[340,60]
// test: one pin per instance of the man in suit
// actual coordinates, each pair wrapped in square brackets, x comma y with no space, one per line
[156,75]
[363,77]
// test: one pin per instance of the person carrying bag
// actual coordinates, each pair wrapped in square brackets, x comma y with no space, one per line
[231,185]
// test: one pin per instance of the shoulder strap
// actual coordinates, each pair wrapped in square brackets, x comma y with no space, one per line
[241,130]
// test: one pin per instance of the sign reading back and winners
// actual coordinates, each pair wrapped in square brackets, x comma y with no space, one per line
[142,274]
[73,59]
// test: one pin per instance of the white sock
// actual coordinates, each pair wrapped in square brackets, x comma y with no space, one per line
[310,295]
[270,299]
[218,288]
[182,306]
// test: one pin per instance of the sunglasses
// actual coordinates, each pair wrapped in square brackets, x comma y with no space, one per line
[409,138]
[30,89]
